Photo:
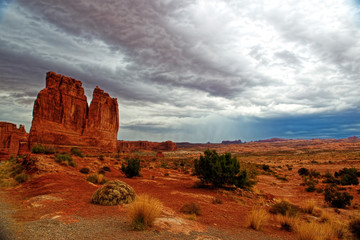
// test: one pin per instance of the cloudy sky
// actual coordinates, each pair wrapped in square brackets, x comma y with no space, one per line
[192,70]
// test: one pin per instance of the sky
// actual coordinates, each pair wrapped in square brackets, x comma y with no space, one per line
[192,70]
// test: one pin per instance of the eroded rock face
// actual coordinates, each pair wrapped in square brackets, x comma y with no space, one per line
[128,146]
[61,115]
[13,140]
[60,112]
[103,119]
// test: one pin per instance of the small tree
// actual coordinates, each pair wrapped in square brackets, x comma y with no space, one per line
[220,170]
[132,169]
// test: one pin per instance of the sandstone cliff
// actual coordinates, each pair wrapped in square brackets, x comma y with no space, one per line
[13,140]
[103,119]
[61,115]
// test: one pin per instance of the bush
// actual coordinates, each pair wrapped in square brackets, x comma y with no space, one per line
[311,187]
[303,172]
[354,227]
[257,218]
[49,150]
[143,212]
[37,148]
[132,169]
[220,170]
[191,208]
[22,177]
[266,167]
[314,174]
[106,169]
[96,179]
[337,199]
[284,208]
[329,178]
[348,176]
[76,152]
[113,193]
[85,170]
[65,159]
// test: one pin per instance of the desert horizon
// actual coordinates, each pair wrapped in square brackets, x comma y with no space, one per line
[179,119]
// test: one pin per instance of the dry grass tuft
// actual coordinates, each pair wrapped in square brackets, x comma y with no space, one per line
[143,211]
[257,218]
[320,231]
[308,206]
[326,216]
[287,222]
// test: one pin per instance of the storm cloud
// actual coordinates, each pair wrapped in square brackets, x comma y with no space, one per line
[185,70]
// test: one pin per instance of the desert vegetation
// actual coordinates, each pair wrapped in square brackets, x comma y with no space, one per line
[220,170]
[113,193]
[132,169]
[250,187]
[143,212]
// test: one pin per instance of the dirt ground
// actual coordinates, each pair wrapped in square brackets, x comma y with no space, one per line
[55,203]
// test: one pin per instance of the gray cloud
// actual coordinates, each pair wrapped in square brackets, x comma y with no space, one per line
[180,61]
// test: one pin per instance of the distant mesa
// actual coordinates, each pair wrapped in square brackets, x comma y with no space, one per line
[62,117]
[273,140]
[232,142]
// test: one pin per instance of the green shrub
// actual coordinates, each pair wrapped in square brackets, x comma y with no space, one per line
[266,167]
[329,178]
[348,176]
[106,169]
[311,187]
[284,208]
[221,170]
[113,193]
[132,169]
[85,170]
[191,208]
[21,178]
[314,174]
[337,199]
[65,159]
[303,172]
[354,227]
[76,152]
[49,150]
[37,148]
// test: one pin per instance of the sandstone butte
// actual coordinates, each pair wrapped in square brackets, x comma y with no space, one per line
[62,118]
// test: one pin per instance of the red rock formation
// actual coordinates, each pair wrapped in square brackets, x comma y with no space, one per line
[61,115]
[103,119]
[13,140]
[128,146]
[60,110]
